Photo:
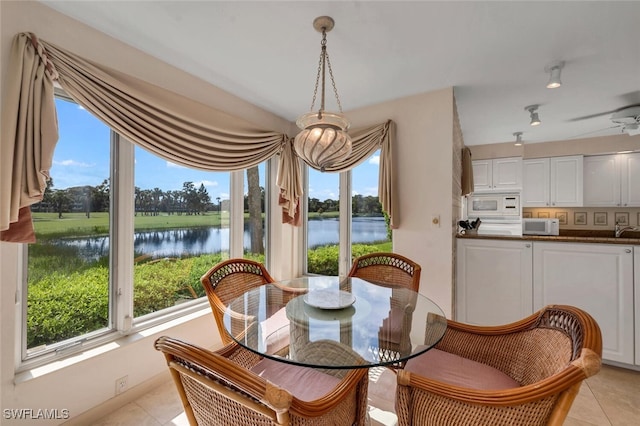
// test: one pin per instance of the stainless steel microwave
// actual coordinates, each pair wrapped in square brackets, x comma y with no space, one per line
[505,205]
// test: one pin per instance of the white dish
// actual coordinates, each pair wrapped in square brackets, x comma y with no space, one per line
[329,299]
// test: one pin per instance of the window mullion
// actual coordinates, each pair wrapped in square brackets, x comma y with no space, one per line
[345,223]
[236,215]
[122,234]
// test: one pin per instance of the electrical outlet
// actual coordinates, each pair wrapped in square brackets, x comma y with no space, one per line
[122,384]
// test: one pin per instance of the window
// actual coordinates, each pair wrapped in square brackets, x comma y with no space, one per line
[335,235]
[124,250]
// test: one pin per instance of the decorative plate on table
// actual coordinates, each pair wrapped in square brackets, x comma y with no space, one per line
[329,299]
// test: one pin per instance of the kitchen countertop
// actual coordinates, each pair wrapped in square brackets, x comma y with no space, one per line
[569,236]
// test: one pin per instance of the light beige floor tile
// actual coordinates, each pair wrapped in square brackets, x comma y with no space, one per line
[618,392]
[586,408]
[179,420]
[129,415]
[163,403]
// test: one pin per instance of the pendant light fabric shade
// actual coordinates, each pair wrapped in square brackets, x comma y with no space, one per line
[323,140]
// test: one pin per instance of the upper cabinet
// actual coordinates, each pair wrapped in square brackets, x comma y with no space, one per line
[498,174]
[553,182]
[612,180]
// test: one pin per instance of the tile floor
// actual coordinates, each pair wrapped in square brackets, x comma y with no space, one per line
[610,398]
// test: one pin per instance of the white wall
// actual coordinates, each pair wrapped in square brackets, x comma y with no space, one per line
[423,163]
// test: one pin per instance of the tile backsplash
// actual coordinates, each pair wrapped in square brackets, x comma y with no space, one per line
[587,217]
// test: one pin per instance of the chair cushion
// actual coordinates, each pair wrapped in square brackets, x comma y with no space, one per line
[303,383]
[277,337]
[456,370]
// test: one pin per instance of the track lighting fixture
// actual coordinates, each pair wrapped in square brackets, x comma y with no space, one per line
[554,75]
[535,120]
[518,136]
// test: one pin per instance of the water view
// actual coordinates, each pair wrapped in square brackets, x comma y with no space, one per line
[174,242]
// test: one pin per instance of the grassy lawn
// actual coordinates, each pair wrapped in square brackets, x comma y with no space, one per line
[48,225]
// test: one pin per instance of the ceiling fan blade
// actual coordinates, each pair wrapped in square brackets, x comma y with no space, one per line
[613,111]
[631,98]
[598,131]
[586,117]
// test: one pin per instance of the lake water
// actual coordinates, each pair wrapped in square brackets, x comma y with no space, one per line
[194,241]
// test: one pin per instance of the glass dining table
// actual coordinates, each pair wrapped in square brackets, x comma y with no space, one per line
[332,322]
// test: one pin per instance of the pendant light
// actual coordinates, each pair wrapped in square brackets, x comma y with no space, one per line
[323,140]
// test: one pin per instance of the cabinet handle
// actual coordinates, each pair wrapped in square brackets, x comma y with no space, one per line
[527,245]
[627,250]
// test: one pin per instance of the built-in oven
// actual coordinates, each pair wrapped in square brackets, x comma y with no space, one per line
[499,213]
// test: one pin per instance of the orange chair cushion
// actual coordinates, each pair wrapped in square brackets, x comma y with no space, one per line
[303,383]
[456,370]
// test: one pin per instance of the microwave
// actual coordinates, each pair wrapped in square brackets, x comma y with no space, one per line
[540,227]
[506,205]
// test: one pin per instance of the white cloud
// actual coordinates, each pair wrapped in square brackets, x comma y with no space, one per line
[374,160]
[174,165]
[206,183]
[72,163]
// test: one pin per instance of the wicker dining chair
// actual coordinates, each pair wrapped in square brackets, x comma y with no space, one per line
[228,280]
[396,271]
[526,373]
[388,269]
[235,386]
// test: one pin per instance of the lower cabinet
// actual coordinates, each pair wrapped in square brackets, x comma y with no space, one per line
[493,281]
[597,278]
[501,281]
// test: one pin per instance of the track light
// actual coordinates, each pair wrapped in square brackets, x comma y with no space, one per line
[535,120]
[554,77]
[518,136]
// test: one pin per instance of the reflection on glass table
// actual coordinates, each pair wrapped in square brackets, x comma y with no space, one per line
[379,325]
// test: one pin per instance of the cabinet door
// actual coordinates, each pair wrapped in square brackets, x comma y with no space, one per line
[636,281]
[482,175]
[493,281]
[566,181]
[597,278]
[535,182]
[507,173]
[601,181]
[630,172]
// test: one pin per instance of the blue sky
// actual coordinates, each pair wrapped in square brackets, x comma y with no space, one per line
[82,156]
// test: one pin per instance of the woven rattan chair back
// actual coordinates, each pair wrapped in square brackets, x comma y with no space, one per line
[219,389]
[388,269]
[549,354]
[228,280]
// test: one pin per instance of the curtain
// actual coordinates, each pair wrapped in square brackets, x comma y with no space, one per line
[169,125]
[28,136]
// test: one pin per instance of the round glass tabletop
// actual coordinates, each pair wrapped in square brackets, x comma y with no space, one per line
[329,322]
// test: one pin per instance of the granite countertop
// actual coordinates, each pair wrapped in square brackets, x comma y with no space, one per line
[570,236]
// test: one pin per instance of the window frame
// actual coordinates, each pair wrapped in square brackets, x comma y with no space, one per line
[121,321]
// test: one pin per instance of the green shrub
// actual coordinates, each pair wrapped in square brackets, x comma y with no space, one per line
[61,306]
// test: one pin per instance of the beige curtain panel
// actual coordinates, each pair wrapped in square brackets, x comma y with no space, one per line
[171,126]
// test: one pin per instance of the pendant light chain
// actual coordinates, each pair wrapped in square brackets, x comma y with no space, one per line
[324,58]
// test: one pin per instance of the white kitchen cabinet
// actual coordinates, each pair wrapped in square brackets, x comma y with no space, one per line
[636,280]
[630,179]
[498,174]
[597,278]
[494,281]
[612,180]
[552,182]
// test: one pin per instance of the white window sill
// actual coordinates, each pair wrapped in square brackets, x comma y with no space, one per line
[118,343]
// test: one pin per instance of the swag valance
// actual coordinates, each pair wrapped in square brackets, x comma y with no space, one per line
[172,126]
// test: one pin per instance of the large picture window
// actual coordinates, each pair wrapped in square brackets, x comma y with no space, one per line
[123,237]
[336,235]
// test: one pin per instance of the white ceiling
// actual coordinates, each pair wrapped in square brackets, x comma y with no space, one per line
[493,53]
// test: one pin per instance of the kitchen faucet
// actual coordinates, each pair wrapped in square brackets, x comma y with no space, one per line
[622,229]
